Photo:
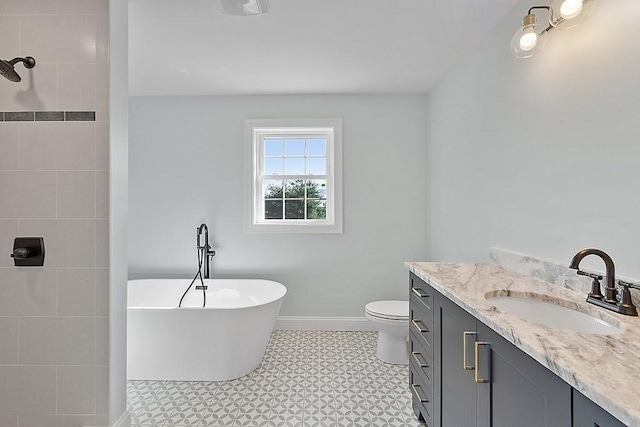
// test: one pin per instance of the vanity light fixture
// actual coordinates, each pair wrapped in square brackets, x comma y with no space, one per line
[563,14]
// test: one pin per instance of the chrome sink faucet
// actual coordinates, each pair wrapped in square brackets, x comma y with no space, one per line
[205,252]
[610,298]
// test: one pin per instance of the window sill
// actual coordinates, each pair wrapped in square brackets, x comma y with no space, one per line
[294,228]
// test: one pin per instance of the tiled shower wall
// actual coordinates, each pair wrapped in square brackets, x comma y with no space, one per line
[54,177]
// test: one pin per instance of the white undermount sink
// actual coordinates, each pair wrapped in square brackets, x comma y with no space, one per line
[534,308]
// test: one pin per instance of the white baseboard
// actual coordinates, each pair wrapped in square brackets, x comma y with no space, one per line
[124,420]
[308,323]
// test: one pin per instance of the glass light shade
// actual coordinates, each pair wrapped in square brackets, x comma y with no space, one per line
[571,8]
[567,14]
[529,39]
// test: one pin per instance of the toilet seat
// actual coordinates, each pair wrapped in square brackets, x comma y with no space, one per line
[388,310]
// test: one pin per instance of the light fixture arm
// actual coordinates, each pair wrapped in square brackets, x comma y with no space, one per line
[539,7]
[548,9]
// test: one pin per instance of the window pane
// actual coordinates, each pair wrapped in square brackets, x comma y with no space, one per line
[317,166]
[294,209]
[317,189]
[294,189]
[294,166]
[273,166]
[273,189]
[316,147]
[273,147]
[316,209]
[273,209]
[294,147]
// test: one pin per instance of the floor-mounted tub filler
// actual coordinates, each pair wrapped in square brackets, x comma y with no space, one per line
[222,341]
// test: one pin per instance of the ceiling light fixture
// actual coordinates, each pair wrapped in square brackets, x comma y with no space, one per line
[245,7]
[563,14]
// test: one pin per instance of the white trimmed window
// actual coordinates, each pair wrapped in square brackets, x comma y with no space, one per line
[294,175]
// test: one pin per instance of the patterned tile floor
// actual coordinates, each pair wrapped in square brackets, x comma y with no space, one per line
[307,378]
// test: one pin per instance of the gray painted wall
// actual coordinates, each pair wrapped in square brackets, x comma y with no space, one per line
[540,156]
[187,167]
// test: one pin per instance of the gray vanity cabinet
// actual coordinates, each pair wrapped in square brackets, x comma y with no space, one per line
[482,380]
[421,342]
[518,390]
[455,332]
[588,414]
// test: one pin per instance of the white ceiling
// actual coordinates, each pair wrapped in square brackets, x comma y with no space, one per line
[189,47]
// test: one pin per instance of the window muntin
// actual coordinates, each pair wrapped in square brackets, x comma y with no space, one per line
[295,177]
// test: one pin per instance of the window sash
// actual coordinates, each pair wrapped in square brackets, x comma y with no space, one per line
[261,199]
[260,135]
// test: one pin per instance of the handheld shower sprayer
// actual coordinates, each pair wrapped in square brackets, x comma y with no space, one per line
[8,71]
[204,249]
[204,256]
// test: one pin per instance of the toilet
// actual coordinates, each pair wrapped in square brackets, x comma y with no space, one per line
[391,319]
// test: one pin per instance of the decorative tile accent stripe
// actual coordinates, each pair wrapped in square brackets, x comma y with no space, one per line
[20,116]
[48,116]
[80,116]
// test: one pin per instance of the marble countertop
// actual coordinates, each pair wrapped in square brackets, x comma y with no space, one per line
[570,355]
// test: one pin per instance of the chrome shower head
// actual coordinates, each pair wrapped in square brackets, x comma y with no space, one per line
[7,67]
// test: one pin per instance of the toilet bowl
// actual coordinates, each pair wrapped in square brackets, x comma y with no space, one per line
[391,319]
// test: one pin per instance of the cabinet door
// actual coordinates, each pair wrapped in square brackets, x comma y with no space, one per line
[515,390]
[588,414]
[455,333]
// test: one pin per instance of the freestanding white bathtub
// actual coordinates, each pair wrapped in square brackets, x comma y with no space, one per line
[223,341]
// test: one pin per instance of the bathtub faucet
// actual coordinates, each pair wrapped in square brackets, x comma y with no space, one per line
[204,250]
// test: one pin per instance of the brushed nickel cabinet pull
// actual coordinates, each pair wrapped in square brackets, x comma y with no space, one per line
[477,358]
[415,388]
[465,336]
[417,356]
[419,326]
[419,292]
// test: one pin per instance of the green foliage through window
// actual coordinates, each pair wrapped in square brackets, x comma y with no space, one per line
[295,199]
